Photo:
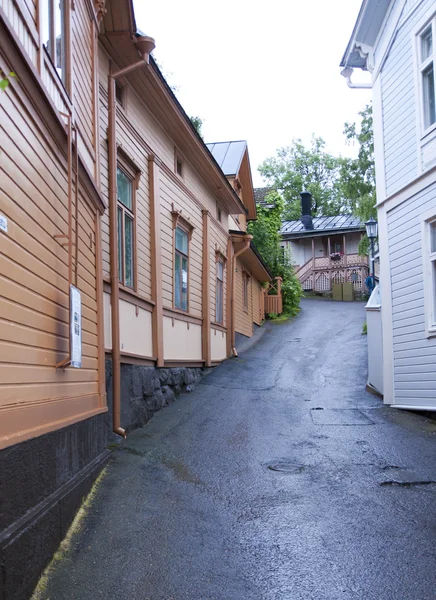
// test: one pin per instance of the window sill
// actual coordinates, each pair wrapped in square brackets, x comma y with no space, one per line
[431,332]
[219,326]
[428,133]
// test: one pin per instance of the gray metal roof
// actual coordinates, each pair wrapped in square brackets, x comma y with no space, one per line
[260,195]
[228,155]
[338,222]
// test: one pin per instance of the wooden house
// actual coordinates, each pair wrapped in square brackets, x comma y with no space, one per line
[250,272]
[395,42]
[176,290]
[52,421]
[324,250]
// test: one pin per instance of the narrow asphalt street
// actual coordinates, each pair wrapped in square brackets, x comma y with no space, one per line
[279,477]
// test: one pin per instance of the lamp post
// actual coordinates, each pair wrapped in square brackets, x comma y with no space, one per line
[371,231]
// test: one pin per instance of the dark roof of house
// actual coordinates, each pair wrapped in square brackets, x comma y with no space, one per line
[228,155]
[260,194]
[336,223]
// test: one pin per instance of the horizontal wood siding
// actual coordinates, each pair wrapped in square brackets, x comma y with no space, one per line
[34,281]
[400,99]
[256,292]
[414,353]
[217,241]
[83,74]
[139,155]
[243,319]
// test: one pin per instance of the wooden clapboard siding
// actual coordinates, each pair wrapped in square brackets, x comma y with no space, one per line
[139,155]
[256,291]
[34,304]
[413,352]
[83,73]
[218,241]
[243,319]
[400,105]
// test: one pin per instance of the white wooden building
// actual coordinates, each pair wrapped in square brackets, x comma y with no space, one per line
[395,40]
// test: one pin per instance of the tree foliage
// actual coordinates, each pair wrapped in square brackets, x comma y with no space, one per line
[297,168]
[5,80]
[338,185]
[198,124]
[357,176]
[266,237]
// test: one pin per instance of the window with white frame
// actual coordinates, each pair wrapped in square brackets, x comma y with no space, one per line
[427,61]
[126,234]
[431,275]
[219,308]
[181,265]
[53,33]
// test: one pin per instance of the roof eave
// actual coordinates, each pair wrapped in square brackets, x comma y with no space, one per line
[352,57]
[319,232]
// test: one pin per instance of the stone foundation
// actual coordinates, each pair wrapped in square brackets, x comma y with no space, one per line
[145,390]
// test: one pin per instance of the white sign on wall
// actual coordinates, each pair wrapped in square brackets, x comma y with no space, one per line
[3,223]
[76,327]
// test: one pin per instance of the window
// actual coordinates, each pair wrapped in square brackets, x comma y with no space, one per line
[431,275]
[427,62]
[219,310]
[181,269]
[53,33]
[178,163]
[219,214]
[245,279]
[126,217]
[119,93]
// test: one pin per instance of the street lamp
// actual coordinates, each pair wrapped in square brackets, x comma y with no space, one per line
[371,231]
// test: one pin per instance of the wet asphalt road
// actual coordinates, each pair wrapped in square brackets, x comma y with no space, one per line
[190,510]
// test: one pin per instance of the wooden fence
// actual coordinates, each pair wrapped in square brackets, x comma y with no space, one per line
[273,301]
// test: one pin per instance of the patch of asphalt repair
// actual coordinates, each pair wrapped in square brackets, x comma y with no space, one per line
[190,509]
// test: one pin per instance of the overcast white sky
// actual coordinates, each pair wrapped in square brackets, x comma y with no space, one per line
[265,72]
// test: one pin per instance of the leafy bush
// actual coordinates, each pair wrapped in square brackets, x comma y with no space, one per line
[272,315]
[265,231]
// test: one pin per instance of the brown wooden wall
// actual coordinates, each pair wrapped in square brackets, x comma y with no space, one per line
[35,397]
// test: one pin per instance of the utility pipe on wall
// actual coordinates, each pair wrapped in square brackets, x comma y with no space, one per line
[347,73]
[145,45]
[247,239]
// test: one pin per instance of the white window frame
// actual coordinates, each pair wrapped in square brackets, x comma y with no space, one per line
[429,273]
[422,65]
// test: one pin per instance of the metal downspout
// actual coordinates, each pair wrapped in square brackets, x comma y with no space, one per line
[247,240]
[115,307]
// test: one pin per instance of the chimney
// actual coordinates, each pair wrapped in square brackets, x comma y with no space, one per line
[306,212]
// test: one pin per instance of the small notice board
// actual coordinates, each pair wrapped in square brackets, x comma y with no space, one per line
[76,327]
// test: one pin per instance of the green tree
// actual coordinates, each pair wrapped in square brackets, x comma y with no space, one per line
[266,238]
[4,80]
[198,124]
[296,168]
[357,175]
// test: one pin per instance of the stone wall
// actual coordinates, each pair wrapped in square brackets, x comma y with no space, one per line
[45,480]
[145,390]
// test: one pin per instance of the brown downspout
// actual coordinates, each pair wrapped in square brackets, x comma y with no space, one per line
[247,239]
[115,307]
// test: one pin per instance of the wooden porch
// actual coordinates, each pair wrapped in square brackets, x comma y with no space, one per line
[320,273]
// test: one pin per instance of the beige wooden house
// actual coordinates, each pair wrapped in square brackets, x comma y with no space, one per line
[250,271]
